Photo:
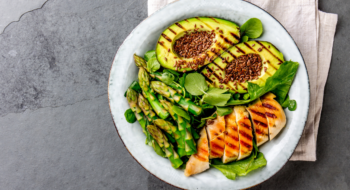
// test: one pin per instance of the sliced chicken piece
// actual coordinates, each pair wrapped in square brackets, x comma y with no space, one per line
[275,115]
[245,132]
[216,136]
[231,151]
[259,121]
[199,162]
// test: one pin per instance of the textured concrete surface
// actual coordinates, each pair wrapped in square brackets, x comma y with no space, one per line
[55,127]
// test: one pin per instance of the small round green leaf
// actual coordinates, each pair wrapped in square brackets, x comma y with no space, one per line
[292,105]
[253,28]
[195,84]
[130,116]
[245,38]
[153,65]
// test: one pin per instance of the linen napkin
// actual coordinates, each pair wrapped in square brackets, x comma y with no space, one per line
[315,43]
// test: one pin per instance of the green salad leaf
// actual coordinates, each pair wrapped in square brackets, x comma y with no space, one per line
[153,65]
[167,78]
[216,97]
[240,168]
[243,167]
[222,111]
[195,84]
[279,84]
[181,112]
[253,28]
[130,116]
[149,55]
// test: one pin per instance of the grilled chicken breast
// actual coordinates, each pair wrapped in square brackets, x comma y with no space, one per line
[231,151]
[245,132]
[199,162]
[216,136]
[259,121]
[275,115]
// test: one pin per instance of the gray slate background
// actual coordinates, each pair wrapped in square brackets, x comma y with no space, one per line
[56,131]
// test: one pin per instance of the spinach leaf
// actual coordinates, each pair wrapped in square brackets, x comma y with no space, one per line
[135,86]
[149,55]
[153,65]
[195,84]
[279,84]
[245,38]
[215,96]
[130,116]
[167,78]
[242,167]
[182,80]
[222,111]
[253,28]
[181,112]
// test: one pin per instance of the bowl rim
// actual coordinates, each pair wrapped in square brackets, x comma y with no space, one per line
[169,4]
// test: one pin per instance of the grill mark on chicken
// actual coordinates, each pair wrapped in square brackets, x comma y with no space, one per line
[203,159]
[245,125]
[246,135]
[257,113]
[262,124]
[269,106]
[271,115]
[248,146]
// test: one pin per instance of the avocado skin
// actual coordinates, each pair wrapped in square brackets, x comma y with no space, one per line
[226,32]
[271,57]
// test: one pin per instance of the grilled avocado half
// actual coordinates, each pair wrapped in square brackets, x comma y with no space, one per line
[226,32]
[271,58]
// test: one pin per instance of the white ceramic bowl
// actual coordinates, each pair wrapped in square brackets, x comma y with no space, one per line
[144,37]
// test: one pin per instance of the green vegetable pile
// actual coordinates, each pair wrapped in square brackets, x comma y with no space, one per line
[172,107]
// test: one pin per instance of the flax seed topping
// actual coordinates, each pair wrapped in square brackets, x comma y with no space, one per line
[244,68]
[193,44]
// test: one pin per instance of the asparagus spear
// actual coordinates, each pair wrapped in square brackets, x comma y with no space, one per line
[165,125]
[173,96]
[184,127]
[141,63]
[131,96]
[168,148]
[147,92]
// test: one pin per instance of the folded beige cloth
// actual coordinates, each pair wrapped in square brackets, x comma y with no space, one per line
[313,32]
